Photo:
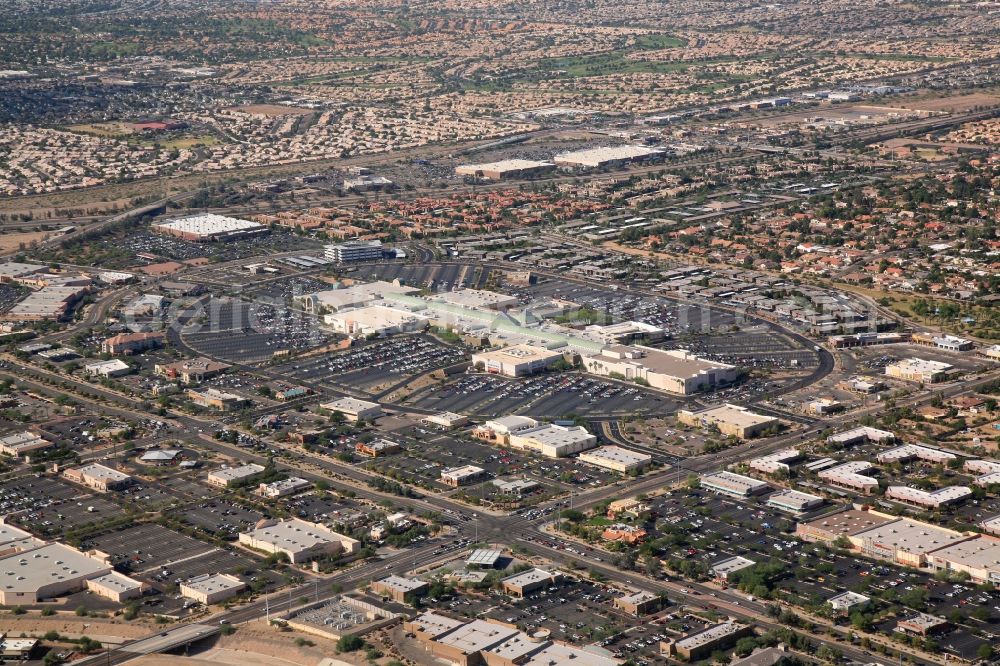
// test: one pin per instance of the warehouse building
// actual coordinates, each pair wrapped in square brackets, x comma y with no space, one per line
[734,485]
[209,227]
[919,370]
[352,251]
[300,540]
[46,571]
[399,589]
[607,157]
[98,477]
[505,169]
[553,441]
[616,458]
[210,589]
[226,477]
[516,360]
[674,370]
[354,410]
[730,420]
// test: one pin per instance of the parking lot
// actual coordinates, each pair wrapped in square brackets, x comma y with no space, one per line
[550,396]
[50,507]
[220,518]
[250,332]
[759,347]
[377,364]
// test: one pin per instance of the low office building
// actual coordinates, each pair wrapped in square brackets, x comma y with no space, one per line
[674,371]
[946,342]
[191,371]
[226,477]
[447,420]
[526,582]
[22,443]
[209,227]
[625,533]
[515,487]
[116,587]
[616,458]
[851,475]
[399,589]
[354,410]
[553,441]
[639,603]
[979,558]
[734,485]
[908,452]
[929,499]
[722,570]
[794,501]
[845,601]
[729,420]
[98,477]
[632,507]
[922,624]
[861,435]
[213,398]
[299,540]
[210,589]
[19,649]
[516,360]
[505,169]
[111,368]
[919,370]
[377,448]
[775,462]
[291,486]
[462,476]
[703,643]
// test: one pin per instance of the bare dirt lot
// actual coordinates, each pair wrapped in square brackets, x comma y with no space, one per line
[953,104]
[14,242]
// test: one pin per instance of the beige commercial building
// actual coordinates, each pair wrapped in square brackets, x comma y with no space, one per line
[212,588]
[98,477]
[730,420]
[116,587]
[298,539]
[674,371]
[353,409]
[505,169]
[616,458]
[227,476]
[553,441]
[516,360]
[399,589]
[919,370]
